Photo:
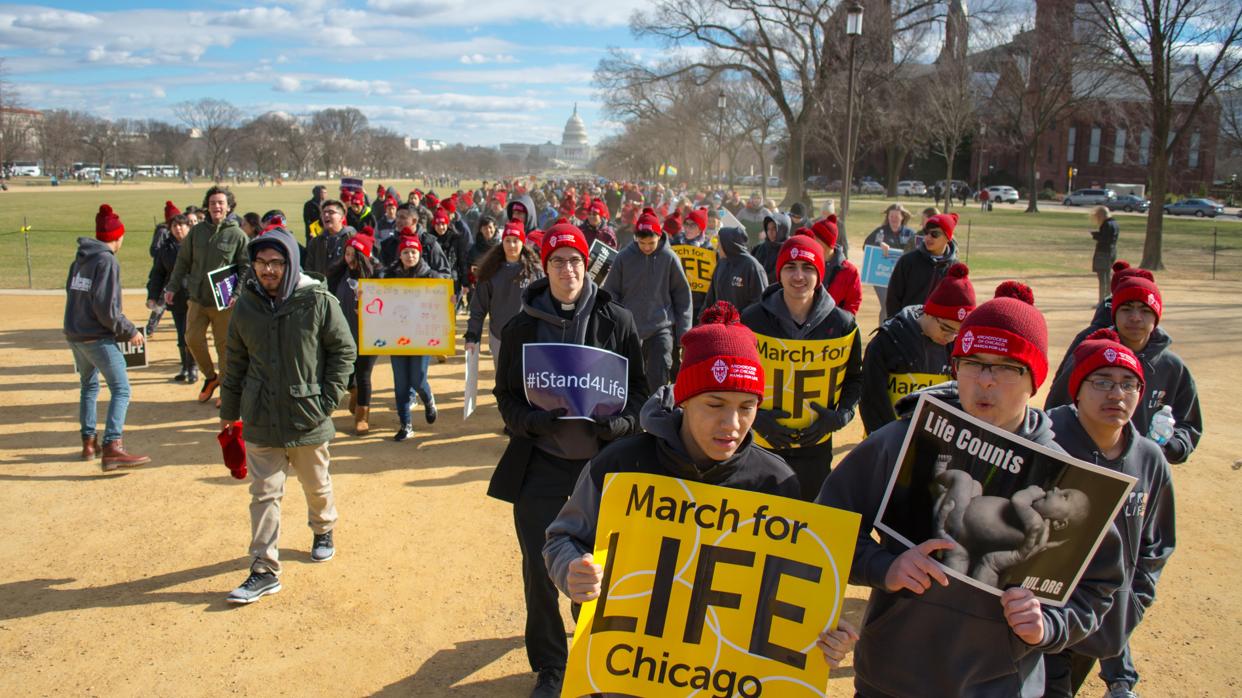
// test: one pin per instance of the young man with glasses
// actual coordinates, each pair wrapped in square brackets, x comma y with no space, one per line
[648,280]
[925,633]
[918,271]
[291,355]
[910,351]
[545,453]
[325,255]
[1107,385]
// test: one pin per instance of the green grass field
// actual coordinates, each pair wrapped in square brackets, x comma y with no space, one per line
[1004,241]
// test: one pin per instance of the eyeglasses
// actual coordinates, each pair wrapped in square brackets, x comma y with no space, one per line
[1104,385]
[273,265]
[560,263]
[932,233]
[946,328]
[1005,374]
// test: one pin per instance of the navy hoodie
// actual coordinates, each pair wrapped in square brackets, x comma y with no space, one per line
[1146,523]
[93,306]
[653,287]
[950,640]
[899,347]
[739,278]
[1167,382]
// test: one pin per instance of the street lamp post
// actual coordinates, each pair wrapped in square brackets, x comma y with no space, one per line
[720,104]
[853,29]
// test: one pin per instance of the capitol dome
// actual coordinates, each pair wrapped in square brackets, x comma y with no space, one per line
[575,131]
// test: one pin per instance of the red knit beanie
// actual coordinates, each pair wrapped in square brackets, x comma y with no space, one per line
[441,217]
[409,242]
[233,448]
[1101,349]
[826,230]
[170,210]
[699,217]
[563,235]
[108,226]
[944,221]
[954,296]
[672,224]
[1008,325]
[362,243]
[719,355]
[648,222]
[431,201]
[1122,271]
[514,229]
[801,247]
[1136,288]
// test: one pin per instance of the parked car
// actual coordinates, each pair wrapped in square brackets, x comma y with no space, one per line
[1089,197]
[869,186]
[1197,207]
[1001,194]
[774,181]
[1128,203]
[817,182]
[911,187]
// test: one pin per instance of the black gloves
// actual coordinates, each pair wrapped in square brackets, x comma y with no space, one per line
[612,427]
[779,435]
[539,422]
[826,422]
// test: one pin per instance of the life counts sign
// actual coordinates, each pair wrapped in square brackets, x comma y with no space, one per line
[798,373]
[406,316]
[710,591]
[699,264]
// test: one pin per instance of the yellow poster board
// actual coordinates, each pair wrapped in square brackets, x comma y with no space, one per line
[699,264]
[406,317]
[902,384]
[710,591]
[797,373]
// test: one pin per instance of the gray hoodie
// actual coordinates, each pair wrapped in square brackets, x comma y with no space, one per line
[93,305]
[281,240]
[653,287]
[739,278]
[498,297]
[532,214]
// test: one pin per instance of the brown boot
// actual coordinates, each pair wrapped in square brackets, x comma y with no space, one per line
[90,447]
[353,400]
[361,427]
[114,456]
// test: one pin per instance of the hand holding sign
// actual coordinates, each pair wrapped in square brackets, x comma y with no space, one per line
[837,644]
[541,422]
[915,569]
[585,578]
[1024,614]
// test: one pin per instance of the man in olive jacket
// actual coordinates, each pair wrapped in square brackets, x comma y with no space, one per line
[215,242]
[290,357]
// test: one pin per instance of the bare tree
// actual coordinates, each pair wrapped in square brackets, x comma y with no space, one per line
[335,131]
[760,121]
[259,143]
[101,139]
[14,127]
[60,135]
[216,122]
[1155,42]
[949,111]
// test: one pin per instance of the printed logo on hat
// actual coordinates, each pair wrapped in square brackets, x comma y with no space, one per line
[720,370]
[1110,355]
[1153,301]
[558,239]
[796,252]
[961,314]
[968,340]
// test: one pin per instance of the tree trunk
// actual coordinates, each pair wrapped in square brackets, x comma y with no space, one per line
[948,179]
[895,158]
[1153,243]
[795,166]
[1032,204]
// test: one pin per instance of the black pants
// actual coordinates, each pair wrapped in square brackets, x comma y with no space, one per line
[362,378]
[179,314]
[1065,673]
[811,465]
[546,646]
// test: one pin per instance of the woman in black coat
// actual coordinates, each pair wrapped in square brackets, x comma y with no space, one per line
[1105,246]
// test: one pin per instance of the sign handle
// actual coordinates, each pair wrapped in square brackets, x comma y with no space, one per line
[26,240]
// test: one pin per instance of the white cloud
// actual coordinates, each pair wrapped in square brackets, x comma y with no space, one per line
[366,87]
[56,21]
[285,83]
[265,18]
[542,75]
[479,59]
[465,13]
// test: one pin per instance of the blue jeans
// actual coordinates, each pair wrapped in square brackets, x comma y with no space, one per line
[409,378]
[92,358]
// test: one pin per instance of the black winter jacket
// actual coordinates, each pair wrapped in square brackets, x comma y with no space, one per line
[915,276]
[898,347]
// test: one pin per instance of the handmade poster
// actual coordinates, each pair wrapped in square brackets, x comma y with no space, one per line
[798,374]
[1018,513]
[699,264]
[876,268]
[472,381]
[223,285]
[599,261]
[586,381]
[406,317]
[709,591]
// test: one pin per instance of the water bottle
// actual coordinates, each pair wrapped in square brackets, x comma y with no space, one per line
[1162,426]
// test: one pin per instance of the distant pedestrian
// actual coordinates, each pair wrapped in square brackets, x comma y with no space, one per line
[1106,234]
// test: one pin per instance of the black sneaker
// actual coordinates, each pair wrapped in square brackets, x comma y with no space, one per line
[405,432]
[548,685]
[322,549]
[191,375]
[429,410]
[256,586]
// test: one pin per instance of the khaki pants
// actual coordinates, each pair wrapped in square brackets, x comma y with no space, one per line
[197,321]
[268,469]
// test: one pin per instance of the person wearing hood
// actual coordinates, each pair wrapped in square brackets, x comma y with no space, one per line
[521,207]
[647,279]
[359,264]
[1137,308]
[290,364]
[455,247]
[310,211]
[910,350]
[697,430]
[217,241]
[94,326]
[893,237]
[1107,384]
[545,453]
[409,373]
[775,232]
[797,307]
[503,276]
[752,216]
[386,224]
[739,278]
[157,280]
[924,633]
[484,241]
[841,277]
[918,271]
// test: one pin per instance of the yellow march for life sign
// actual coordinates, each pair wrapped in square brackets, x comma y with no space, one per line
[699,264]
[710,591]
[903,384]
[798,373]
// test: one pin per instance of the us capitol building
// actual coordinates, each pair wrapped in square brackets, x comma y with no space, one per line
[574,152]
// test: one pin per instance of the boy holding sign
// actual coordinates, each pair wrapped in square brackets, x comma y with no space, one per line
[697,430]
[928,635]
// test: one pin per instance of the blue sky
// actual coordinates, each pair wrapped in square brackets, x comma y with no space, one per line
[477,71]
